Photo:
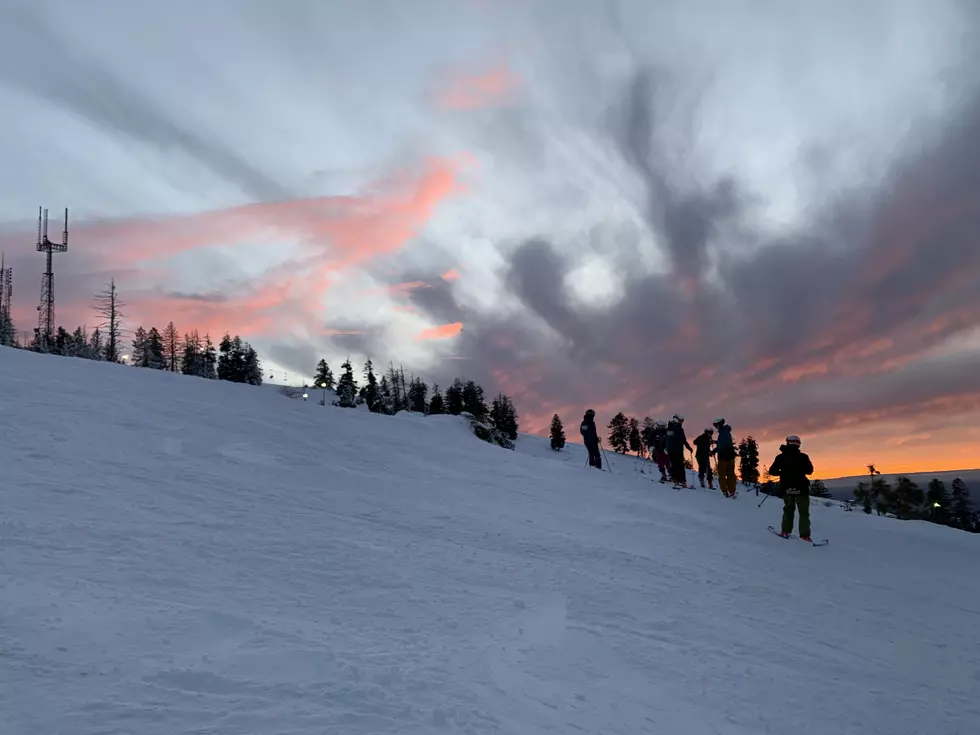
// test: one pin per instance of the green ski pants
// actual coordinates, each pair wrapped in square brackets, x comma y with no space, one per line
[792,503]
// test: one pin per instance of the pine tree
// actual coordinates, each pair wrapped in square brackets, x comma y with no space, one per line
[107,306]
[454,398]
[619,433]
[748,460]
[155,357]
[81,348]
[646,431]
[140,355]
[324,376]
[503,416]
[209,358]
[961,506]
[61,340]
[418,394]
[937,499]
[399,393]
[908,499]
[557,433]
[819,490]
[436,404]
[96,348]
[192,358]
[384,390]
[862,494]
[369,393]
[225,367]
[635,442]
[252,367]
[347,386]
[171,347]
[473,401]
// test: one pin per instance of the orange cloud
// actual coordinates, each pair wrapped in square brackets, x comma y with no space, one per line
[451,275]
[489,88]
[443,331]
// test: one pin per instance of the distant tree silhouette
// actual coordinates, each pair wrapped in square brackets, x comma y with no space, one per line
[557,433]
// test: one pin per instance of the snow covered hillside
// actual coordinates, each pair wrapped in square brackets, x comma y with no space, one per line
[180,555]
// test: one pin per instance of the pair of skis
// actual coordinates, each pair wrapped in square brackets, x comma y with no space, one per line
[823,542]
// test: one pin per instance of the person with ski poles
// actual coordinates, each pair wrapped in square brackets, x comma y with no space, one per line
[702,454]
[590,437]
[676,443]
[792,466]
[658,447]
[726,453]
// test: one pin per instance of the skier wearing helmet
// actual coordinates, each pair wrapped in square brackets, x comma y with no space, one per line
[792,466]
[725,451]
[702,453]
[676,443]
[658,447]
[591,439]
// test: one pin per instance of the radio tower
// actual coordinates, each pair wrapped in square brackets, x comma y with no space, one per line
[45,310]
[6,292]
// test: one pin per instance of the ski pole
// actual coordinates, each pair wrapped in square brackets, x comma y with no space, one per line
[763,500]
[604,457]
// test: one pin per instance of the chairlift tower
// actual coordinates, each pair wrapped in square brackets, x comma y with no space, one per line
[45,310]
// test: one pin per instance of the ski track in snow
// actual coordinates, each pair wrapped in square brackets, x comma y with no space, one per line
[183,556]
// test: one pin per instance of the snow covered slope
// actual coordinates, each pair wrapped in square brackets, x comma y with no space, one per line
[178,555]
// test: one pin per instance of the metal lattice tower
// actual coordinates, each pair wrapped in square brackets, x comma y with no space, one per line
[6,293]
[45,310]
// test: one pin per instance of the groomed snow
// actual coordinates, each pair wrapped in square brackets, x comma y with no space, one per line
[185,556]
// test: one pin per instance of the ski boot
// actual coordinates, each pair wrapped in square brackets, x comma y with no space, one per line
[784,534]
[807,539]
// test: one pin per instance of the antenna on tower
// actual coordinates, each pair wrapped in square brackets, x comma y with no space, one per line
[45,310]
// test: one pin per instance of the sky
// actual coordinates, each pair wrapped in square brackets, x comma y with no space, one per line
[742,208]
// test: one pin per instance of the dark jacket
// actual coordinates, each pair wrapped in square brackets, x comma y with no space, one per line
[589,433]
[658,439]
[725,446]
[676,439]
[702,446]
[792,466]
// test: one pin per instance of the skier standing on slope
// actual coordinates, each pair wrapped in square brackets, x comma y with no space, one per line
[658,447]
[702,453]
[792,466]
[725,451]
[591,439]
[676,443]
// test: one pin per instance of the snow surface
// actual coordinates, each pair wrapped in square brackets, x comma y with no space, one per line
[186,556]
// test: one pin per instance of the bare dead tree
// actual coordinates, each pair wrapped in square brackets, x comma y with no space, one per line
[107,306]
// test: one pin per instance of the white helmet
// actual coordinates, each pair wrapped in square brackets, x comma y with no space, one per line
[719,422]
[793,441]
[661,423]
[678,417]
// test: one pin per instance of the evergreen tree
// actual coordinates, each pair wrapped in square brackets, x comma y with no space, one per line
[80,346]
[225,367]
[399,392]
[907,498]
[155,355]
[635,442]
[324,376]
[557,433]
[646,431]
[192,358]
[862,494]
[619,433]
[748,461]
[171,347]
[140,354]
[819,490]
[961,507]
[937,499]
[107,306]
[473,401]
[347,386]
[209,358]
[384,390]
[252,367]
[61,342]
[503,416]
[369,393]
[95,345]
[8,332]
[436,404]
[454,398]
[418,394]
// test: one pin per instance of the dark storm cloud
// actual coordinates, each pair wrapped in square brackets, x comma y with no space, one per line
[830,320]
[41,62]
